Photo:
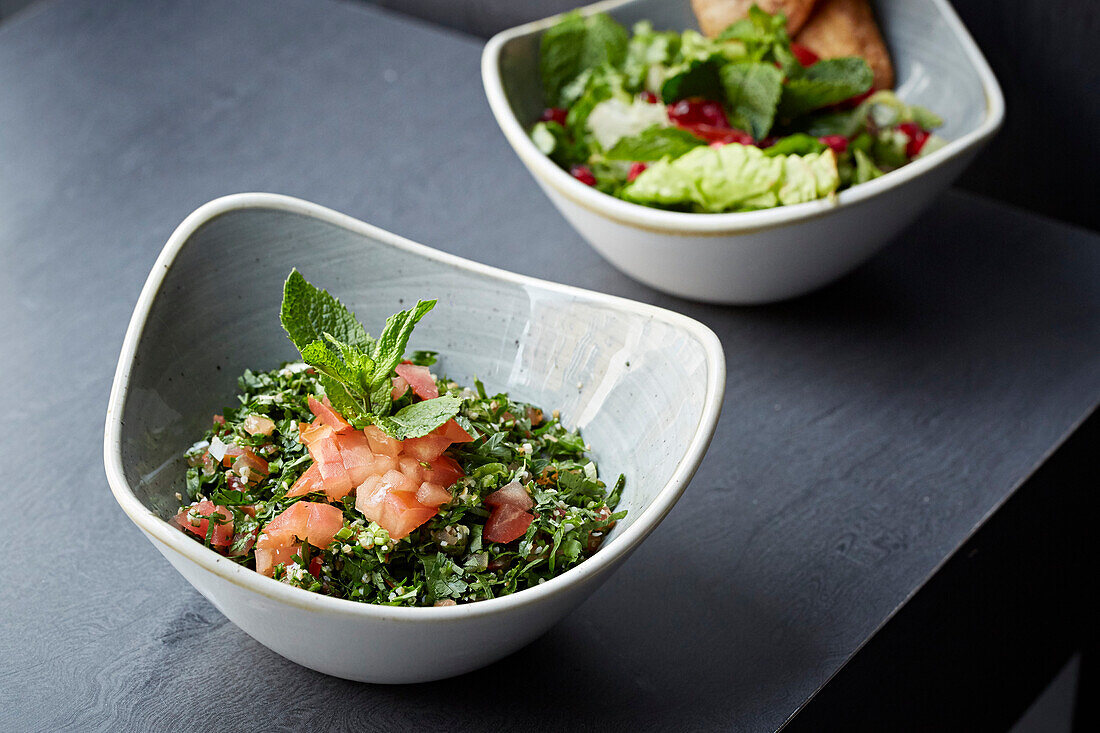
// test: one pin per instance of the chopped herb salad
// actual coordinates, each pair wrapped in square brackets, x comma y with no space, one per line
[359,474]
[744,121]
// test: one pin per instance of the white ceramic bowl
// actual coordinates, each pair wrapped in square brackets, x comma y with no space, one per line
[762,256]
[644,384]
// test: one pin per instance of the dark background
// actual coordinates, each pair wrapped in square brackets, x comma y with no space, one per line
[1046,157]
[1046,160]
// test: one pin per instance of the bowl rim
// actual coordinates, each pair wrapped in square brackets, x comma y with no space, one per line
[638,216]
[161,531]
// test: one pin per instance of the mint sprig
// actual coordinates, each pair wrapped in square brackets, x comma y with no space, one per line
[354,369]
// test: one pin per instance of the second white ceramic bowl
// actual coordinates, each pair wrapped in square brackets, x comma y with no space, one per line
[762,256]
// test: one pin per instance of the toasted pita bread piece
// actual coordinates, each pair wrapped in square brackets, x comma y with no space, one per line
[715,16]
[848,28]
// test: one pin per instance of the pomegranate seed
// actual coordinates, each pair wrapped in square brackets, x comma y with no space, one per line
[583,174]
[698,111]
[838,143]
[767,142]
[635,171]
[554,114]
[650,97]
[853,102]
[917,138]
[720,135]
[805,56]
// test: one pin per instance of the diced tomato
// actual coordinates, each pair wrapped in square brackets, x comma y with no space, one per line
[400,387]
[453,432]
[805,56]
[313,522]
[358,460]
[390,500]
[234,451]
[381,443]
[250,466]
[223,528]
[443,471]
[427,448]
[307,483]
[258,425]
[268,557]
[249,538]
[512,494]
[219,419]
[315,567]
[326,415]
[534,414]
[430,494]
[411,468]
[420,379]
[325,452]
[507,523]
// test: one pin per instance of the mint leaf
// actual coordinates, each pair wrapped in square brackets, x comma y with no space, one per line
[752,93]
[694,78]
[577,43]
[654,144]
[419,418]
[327,361]
[389,350]
[346,376]
[827,82]
[357,383]
[308,312]
[797,144]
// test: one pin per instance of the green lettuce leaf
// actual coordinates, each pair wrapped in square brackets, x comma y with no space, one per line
[577,43]
[734,178]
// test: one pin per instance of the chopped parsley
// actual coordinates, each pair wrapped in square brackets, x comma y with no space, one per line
[445,560]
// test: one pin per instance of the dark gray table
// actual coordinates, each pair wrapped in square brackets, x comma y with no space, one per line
[868,430]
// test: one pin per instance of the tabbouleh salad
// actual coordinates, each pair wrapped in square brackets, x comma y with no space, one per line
[359,474]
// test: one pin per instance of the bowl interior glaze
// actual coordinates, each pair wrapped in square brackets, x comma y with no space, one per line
[643,384]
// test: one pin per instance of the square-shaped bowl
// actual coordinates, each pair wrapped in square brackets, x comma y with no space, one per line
[643,384]
[762,256]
